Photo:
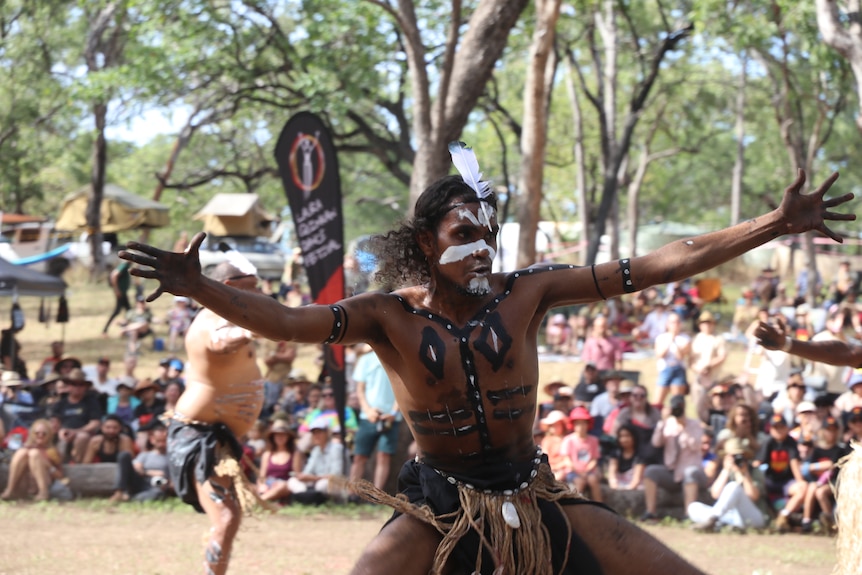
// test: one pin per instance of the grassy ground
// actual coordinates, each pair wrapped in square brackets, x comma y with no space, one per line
[167,539]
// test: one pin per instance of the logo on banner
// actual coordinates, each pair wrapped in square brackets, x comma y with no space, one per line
[307,163]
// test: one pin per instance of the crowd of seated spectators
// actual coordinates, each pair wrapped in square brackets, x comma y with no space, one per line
[749,444]
[91,417]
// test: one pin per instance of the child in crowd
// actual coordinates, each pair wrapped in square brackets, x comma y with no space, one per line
[780,456]
[582,451]
[818,470]
[625,468]
[555,427]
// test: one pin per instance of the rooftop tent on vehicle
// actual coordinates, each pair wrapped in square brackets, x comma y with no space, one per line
[121,210]
[235,215]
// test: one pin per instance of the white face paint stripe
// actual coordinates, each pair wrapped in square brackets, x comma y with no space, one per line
[466,214]
[484,215]
[458,253]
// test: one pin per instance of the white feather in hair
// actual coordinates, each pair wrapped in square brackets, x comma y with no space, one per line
[237,260]
[468,166]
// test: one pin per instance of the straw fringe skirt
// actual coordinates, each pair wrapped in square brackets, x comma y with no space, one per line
[525,549]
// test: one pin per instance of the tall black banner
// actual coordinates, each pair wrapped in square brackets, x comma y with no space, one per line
[309,173]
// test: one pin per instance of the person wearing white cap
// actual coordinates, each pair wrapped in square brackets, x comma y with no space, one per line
[853,396]
[459,342]
[808,424]
[326,461]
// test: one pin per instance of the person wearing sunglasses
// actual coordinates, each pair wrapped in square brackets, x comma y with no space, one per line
[326,411]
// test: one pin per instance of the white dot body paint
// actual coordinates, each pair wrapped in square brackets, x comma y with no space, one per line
[689,243]
[458,253]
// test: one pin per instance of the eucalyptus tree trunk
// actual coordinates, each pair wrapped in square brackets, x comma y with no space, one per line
[103,50]
[739,162]
[466,64]
[616,140]
[537,89]
[583,201]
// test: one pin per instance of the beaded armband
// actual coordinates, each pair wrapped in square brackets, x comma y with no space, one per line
[339,324]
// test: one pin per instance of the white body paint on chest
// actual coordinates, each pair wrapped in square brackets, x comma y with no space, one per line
[458,253]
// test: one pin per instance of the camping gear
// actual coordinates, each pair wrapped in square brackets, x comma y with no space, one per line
[121,210]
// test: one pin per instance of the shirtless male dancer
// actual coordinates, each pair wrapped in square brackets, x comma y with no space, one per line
[460,348]
[221,402]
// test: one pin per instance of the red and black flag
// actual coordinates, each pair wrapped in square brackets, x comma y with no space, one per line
[309,173]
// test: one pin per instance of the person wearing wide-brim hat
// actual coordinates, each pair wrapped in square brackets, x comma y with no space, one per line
[739,491]
[10,379]
[555,426]
[66,364]
[707,355]
[78,414]
[12,390]
[550,389]
[150,407]
[280,461]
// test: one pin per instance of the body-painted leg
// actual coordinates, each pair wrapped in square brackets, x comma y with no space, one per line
[217,497]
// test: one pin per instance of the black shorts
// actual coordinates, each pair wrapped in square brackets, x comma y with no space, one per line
[193,455]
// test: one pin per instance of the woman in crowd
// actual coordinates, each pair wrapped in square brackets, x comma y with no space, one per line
[851,398]
[37,464]
[642,418]
[278,463]
[740,424]
[123,404]
[625,467]
[601,348]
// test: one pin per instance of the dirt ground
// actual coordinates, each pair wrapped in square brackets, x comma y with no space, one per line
[85,538]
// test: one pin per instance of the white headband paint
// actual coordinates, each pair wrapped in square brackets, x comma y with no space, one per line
[458,253]
[483,220]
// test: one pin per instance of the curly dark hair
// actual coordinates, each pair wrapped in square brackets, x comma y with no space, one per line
[399,257]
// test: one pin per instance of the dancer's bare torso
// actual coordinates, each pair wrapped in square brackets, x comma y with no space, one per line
[467,389]
[223,381]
